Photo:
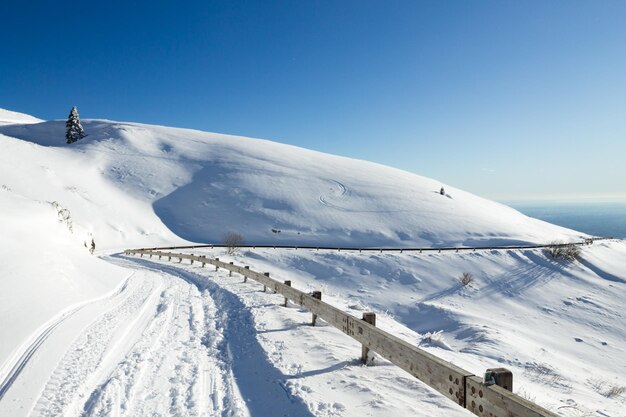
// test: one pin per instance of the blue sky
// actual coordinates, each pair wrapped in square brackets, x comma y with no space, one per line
[506,99]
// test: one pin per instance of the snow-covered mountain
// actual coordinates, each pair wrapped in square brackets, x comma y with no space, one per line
[87,335]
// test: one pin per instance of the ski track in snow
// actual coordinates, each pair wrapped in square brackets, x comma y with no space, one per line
[156,353]
[32,347]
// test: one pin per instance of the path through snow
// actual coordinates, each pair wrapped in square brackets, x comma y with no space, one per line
[178,340]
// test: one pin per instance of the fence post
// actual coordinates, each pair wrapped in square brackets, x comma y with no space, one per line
[371,319]
[180,260]
[191,259]
[245,277]
[318,295]
[203,259]
[501,377]
[217,267]
[267,274]
[287,283]
[169,258]
[230,273]
[159,257]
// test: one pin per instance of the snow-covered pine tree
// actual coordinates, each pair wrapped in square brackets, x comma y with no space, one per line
[73,129]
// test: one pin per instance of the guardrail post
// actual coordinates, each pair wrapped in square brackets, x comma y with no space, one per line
[245,277]
[217,267]
[287,283]
[318,295]
[191,259]
[267,274]
[371,319]
[230,273]
[501,377]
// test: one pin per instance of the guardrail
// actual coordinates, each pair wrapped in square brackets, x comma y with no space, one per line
[588,241]
[457,384]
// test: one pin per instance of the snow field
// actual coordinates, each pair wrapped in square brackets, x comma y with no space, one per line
[558,326]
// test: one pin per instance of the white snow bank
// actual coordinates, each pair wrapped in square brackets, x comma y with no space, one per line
[12,117]
[44,271]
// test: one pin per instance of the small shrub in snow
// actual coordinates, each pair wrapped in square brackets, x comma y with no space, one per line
[566,251]
[73,129]
[614,391]
[466,279]
[526,395]
[607,389]
[92,247]
[233,242]
[64,215]
[442,191]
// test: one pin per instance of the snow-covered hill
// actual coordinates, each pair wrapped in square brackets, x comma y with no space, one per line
[11,117]
[86,335]
[126,181]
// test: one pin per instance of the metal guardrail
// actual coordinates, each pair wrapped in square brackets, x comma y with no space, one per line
[455,383]
[588,241]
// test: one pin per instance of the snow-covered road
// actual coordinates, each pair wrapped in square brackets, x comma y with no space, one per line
[152,348]
[177,340]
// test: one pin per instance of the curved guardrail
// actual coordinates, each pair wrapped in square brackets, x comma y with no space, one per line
[461,386]
[589,241]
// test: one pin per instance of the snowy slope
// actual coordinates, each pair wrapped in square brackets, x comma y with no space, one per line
[202,185]
[11,117]
[80,335]
[558,326]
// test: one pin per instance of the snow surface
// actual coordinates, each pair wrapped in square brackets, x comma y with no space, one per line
[87,335]
[12,117]
[201,185]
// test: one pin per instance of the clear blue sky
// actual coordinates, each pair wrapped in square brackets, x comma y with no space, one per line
[506,99]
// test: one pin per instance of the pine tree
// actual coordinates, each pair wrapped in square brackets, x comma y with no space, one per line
[73,129]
